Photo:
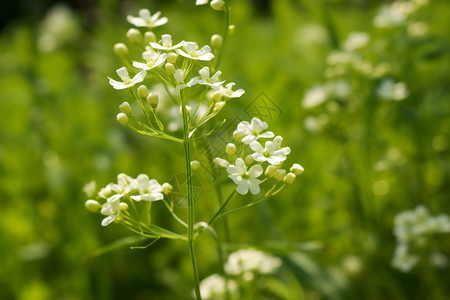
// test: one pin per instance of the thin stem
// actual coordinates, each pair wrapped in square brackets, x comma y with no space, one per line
[225,35]
[190,218]
[219,211]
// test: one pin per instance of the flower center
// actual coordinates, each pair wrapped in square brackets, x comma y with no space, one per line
[127,81]
[245,175]
[266,153]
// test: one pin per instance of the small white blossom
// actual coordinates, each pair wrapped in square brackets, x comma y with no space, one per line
[314,97]
[389,90]
[356,40]
[248,132]
[127,82]
[245,179]
[269,153]
[215,287]
[206,79]
[153,60]
[111,209]
[227,91]
[403,260]
[166,43]
[192,52]
[149,190]
[145,19]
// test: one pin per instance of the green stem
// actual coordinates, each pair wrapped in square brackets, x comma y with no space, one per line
[219,211]
[225,35]
[190,218]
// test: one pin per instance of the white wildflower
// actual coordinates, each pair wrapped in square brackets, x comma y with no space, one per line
[111,209]
[389,90]
[269,153]
[245,179]
[356,40]
[314,97]
[149,190]
[166,43]
[206,79]
[127,82]
[192,52]
[153,60]
[215,287]
[227,91]
[145,19]
[248,132]
[248,261]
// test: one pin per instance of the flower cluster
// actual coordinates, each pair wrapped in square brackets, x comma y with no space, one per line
[243,268]
[248,166]
[117,196]
[175,65]
[413,230]
[397,13]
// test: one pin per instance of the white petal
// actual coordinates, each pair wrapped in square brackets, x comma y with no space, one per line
[139,77]
[144,14]
[190,46]
[240,166]
[256,146]
[258,125]
[108,220]
[237,93]
[259,157]
[270,146]
[255,171]
[254,186]
[117,84]
[232,169]
[152,197]
[205,57]
[123,73]
[266,135]
[242,188]
[139,65]
[161,21]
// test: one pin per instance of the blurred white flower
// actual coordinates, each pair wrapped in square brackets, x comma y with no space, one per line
[403,260]
[389,90]
[394,14]
[246,262]
[127,82]
[166,43]
[192,52]
[245,179]
[248,132]
[145,19]
[356,40]
[215,287]
[315,96]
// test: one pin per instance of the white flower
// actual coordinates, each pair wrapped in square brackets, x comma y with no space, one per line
[153,60]
[356,40]
[227,91]
[205,78]
[149,190]
[394,14]
[314,97]
[215,286]
[166,43]
[126,80]
[389,90]
[248,132]
[248,261]
[111,209]
[145,19]
[269,153]
[201,2]
[192,52]
[403,260]
[245,179]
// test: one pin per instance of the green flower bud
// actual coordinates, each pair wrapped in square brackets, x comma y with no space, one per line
[216,96]
[249,159]
[122,119]
[121,50]
[217,5]
[167,188]
[153,99]
[134,36]
[142,92]
[289,178]
[172,57]
[170,68]
[270,171]
[123,206]
[93,206]
[216,41]
[297,169]
[195,165]
[230,149]
[125,108]
[218,106]
[149,37]
[231,29]
[279,174]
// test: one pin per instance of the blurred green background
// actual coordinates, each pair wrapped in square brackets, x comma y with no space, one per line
[364,163]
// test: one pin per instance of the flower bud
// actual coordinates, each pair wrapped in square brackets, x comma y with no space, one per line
[134,36]
[216,96]
[122,119]
[231,29]
[170,68]
[249,159]
[270,171]
[230,149]
[279,174]
[123,206]
[195,165]
[93,206]
[149,37]
[125,108]
[142,92]
[217,5]
[153,99]
[297,169]
[172,57]
[167,188]
[121,50]
[221,162]
[289,178]
[218,106]
[216,41]
[179,75]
